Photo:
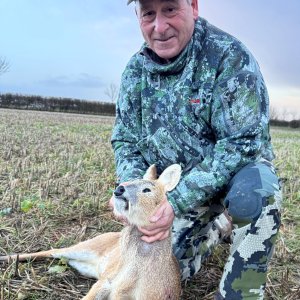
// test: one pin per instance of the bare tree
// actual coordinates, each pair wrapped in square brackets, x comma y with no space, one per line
[284,114]
[112,92]
[273,113]
[4,66]
[294,115]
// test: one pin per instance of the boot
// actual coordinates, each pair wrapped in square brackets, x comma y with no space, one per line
[224,224]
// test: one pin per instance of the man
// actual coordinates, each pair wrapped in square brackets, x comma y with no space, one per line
[194,95]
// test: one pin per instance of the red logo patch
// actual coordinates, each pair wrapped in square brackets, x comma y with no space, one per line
[195,101]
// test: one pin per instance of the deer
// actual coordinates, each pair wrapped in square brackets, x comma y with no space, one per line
[124,265]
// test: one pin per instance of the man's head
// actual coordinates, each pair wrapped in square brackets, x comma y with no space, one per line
[167,25]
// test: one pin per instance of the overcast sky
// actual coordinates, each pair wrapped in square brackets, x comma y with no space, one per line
[77,48]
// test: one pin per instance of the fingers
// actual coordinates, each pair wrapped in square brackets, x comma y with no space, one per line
[154,229]
[157,237]
[164,210]
[159,214]
[161,224]
[160,211]
[163,217]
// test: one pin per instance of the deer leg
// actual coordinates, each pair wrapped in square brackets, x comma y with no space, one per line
[100,291]
[88,258]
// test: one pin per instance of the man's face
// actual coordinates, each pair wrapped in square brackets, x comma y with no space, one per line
[167,25]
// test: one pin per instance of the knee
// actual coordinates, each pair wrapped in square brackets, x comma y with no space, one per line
[251,189]
[243,206]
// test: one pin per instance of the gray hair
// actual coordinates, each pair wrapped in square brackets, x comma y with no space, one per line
[188,1]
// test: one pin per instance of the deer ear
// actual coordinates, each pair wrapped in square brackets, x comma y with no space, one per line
[151,173]
[170,177]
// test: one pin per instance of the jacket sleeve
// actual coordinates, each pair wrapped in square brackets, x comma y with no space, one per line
[239,119]
[130,164]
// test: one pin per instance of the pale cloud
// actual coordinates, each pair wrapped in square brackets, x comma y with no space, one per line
[79,47]
[81,80]
[286,101]
[270,29]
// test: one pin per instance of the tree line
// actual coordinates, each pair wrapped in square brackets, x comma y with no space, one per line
[17,101]
[284,123]
[70,105]
[284,118]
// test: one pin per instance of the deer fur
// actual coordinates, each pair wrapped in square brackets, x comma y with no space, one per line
[127,267]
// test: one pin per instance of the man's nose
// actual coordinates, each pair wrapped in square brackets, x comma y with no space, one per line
[119,191]
[160,23]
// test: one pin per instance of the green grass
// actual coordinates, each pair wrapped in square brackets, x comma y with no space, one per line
[56,177]
[284,276]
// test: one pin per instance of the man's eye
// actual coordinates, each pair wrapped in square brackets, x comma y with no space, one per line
[148,15]
[146,190]
[170,11]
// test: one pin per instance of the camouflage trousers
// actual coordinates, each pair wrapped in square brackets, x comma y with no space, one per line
[252,199]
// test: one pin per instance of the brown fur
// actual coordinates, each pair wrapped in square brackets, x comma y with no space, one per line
[127,267]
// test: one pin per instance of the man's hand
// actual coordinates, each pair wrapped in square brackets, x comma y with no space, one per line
[161,223]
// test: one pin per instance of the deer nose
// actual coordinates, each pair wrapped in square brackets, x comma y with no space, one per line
[119,191]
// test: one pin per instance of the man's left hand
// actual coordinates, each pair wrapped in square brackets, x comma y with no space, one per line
[161,223]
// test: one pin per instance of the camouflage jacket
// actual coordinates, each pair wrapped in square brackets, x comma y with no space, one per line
[206,110]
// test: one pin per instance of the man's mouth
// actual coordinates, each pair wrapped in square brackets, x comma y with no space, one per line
[162,40]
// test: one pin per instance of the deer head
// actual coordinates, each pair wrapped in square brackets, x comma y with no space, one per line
[138,200]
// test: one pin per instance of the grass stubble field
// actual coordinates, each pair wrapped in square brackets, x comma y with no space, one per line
[56,177]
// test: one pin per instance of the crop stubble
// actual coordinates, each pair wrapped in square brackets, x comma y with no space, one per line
[56,177]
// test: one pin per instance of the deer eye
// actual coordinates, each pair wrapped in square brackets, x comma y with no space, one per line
[146,190]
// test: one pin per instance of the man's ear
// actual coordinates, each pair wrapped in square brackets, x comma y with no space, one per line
[170,177]
[151,173]
[195,9]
